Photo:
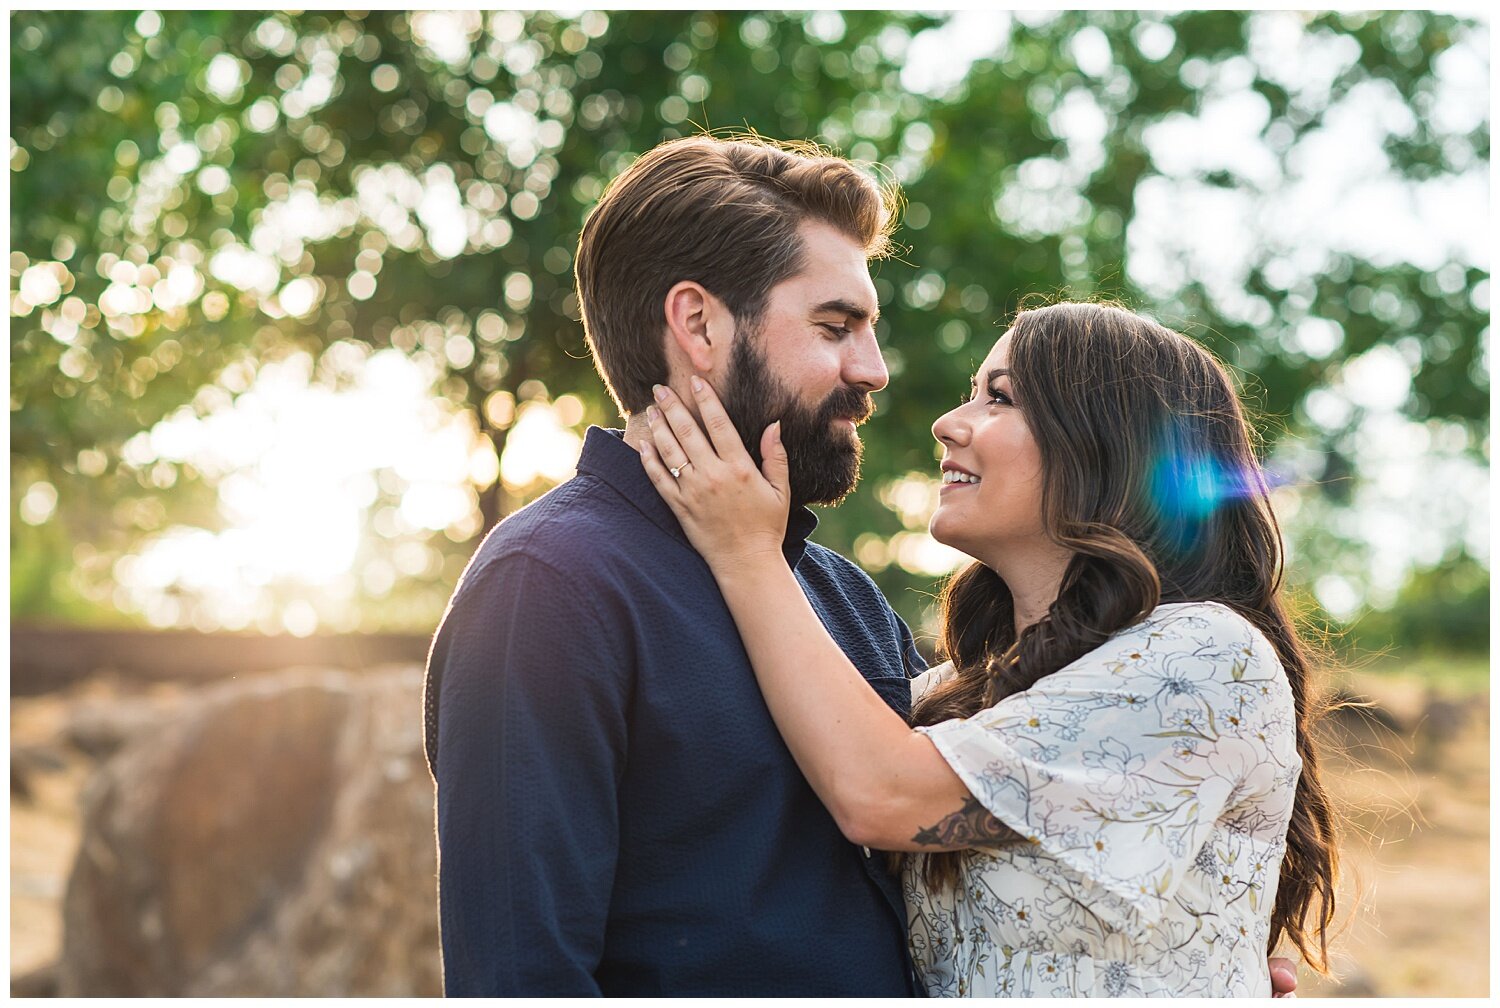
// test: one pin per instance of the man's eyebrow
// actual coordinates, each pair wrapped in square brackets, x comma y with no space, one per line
[854,311]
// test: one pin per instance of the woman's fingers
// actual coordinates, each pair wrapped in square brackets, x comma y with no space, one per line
[665,441]
[721,431]
[664,481]
[684,427]
[774,461]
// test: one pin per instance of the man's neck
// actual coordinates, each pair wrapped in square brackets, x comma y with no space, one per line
[637,430]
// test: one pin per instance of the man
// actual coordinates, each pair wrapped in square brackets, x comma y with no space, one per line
[617,813]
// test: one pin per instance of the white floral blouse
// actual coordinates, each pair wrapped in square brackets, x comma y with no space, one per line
[1154,779]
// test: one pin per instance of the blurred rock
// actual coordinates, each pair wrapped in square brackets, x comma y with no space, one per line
[28,762]
[1362,715]
[274,837]
[99,728]
[1354,981]
[1441,722]
[20,783]
[40,982]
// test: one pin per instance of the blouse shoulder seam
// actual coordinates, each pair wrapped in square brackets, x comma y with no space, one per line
[1227,616]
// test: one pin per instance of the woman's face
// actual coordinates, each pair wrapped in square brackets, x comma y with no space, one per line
[991,500]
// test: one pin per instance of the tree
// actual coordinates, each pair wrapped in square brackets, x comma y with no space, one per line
[228,187]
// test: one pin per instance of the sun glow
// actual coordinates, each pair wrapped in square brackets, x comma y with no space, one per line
[541,446]
[330,477]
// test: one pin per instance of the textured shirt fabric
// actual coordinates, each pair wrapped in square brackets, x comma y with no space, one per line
[616,811]
[1154,777]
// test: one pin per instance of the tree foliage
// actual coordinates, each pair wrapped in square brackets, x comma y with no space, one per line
[208,191]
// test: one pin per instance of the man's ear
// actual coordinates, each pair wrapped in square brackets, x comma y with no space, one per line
[696,324]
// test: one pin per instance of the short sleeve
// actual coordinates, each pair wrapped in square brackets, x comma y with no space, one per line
[1119,764]
[927,680]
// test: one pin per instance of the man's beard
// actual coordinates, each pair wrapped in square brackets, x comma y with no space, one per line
[822,458]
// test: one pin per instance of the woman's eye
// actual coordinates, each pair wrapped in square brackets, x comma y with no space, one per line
[998,397]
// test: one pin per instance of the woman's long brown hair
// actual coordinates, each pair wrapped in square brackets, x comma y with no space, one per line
[1150,477]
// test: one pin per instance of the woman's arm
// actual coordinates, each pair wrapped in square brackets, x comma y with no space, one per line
[886,785]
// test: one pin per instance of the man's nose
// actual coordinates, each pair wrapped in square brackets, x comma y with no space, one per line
[865,367]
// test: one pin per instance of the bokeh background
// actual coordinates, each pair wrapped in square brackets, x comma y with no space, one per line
[292,325]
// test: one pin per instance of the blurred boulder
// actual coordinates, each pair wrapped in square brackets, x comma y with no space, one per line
[1442,721]
[35,983]
[274,837]
[1361,715]
[29,762]
[1354,981]
[99,728]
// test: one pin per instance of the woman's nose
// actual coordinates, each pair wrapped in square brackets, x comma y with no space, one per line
[950,428]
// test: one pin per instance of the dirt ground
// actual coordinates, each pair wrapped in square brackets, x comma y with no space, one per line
[43,829]
[1416,861]
[1416,793]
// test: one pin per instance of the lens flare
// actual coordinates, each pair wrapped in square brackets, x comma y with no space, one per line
[1187,488]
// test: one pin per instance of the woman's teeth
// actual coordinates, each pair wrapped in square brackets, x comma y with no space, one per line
[957,477]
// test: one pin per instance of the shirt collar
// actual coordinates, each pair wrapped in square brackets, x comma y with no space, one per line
[607,457]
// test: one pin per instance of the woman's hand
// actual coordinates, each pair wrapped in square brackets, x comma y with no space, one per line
[733,513]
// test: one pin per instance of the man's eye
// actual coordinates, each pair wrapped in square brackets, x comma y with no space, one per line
[837,331]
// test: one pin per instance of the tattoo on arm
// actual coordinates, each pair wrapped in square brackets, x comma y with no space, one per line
[970,826]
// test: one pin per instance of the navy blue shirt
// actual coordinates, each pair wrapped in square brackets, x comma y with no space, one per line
[616,811]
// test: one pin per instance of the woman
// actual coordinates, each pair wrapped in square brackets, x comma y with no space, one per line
[1111,788]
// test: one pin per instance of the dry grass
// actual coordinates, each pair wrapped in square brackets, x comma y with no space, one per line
[1416,855]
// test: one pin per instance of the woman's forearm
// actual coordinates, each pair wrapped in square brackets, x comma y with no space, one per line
[886,785]
[863,761]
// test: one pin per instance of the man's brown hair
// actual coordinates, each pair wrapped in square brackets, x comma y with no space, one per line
[722,212]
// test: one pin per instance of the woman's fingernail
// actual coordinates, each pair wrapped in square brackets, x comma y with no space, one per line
[651,414]
[697,383]
[660,391]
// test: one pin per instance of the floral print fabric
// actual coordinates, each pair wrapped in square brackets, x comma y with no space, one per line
[1153,779]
